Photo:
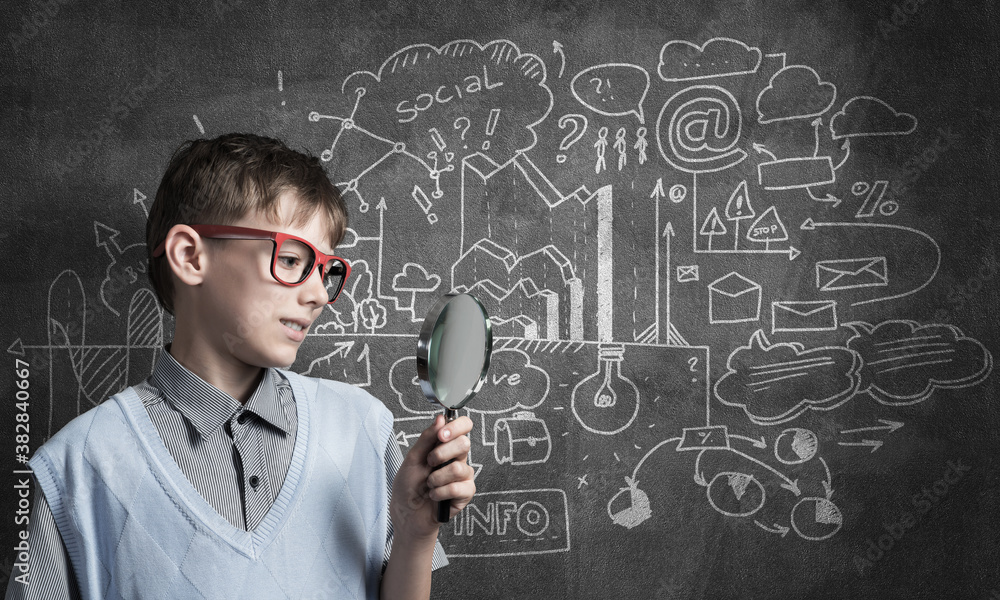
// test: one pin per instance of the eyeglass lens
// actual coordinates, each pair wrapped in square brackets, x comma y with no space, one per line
[293,262]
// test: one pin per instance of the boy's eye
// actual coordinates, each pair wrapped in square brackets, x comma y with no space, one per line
[289,262]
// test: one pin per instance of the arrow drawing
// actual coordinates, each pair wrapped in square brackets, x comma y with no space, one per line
[829,198]
[828,482]
[758,443]
[873,444]
[557,48]
[761,149]
[886,425]
[779,529]
[846,146]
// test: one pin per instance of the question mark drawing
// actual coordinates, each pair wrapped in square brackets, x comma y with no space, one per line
[579,128]
[468,124]
[691,363]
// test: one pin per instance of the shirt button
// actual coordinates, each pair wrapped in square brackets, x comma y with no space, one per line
[243,418]
[254,480]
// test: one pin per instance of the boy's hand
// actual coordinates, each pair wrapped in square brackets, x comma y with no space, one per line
[418,487]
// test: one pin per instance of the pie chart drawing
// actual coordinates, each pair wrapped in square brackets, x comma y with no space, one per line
[736,494]
[795,446]
[816,519]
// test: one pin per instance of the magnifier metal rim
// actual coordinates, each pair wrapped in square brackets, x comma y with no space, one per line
[424,349]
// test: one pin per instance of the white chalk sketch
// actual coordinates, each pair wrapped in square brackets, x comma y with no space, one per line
[733,298]
[686,273]
[344,364]
[816,518]
[739,208]
[775,383]
[852,273]
[606,402]
[557,48]
[766,228]
[612,89]
[864,116]
[794,92]
[510,523]
[810,225]
[736,494]
[885,425]
[579,123]
[712,226]
[873,199]
[803,315]
[904,361]
[631,510]
[498,277]
[702,438]
[681,60]
[92,371]
[795,446]
[414,279]
[698,130]
[521,440]
[796,173]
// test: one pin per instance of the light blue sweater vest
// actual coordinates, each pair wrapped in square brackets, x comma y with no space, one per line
[135,527]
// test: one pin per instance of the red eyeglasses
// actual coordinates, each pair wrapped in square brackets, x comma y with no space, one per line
[292,258]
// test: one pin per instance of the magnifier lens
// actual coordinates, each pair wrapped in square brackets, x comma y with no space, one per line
[457,351]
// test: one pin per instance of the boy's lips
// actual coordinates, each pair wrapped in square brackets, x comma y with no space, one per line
[297,327]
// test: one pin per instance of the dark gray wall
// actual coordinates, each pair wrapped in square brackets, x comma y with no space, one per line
[801,399]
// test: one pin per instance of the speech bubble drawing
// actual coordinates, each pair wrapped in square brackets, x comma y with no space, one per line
[904,362]
[421,88]
[775,383]
[612,89]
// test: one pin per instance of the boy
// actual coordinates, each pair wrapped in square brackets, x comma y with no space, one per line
[222,476]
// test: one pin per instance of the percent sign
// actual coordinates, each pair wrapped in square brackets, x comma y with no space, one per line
[873,200]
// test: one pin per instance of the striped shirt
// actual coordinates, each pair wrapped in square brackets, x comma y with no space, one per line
[235,455]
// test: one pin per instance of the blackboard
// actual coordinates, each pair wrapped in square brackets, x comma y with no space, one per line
[741,259]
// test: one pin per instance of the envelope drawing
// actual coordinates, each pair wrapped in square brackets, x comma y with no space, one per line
[686,273]
[851,273]
[733,299]
[803,315]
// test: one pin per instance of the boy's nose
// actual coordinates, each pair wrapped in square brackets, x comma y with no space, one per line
[314,290]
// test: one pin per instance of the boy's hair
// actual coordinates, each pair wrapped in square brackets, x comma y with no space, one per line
[219,181]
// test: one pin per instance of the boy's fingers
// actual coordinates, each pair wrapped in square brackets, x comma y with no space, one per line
[450,473]
[458,427]
[461,490]
[457,449]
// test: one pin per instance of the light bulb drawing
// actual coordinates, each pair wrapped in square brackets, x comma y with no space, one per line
[606,402]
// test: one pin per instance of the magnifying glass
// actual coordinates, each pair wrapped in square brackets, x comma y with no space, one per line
[453,356]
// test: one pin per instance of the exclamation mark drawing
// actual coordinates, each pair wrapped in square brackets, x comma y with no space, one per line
[424,202]
[437,139]
[491,125]
[281,86]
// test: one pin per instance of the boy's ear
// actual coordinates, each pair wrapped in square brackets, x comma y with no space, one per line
[185,251]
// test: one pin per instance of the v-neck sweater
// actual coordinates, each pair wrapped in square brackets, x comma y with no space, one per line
[135,527]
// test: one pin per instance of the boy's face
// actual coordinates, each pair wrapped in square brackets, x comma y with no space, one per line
[249,316]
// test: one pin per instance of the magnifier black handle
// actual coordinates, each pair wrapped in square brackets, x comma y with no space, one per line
[444,507]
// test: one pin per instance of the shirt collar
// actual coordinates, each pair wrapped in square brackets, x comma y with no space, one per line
[206,406]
